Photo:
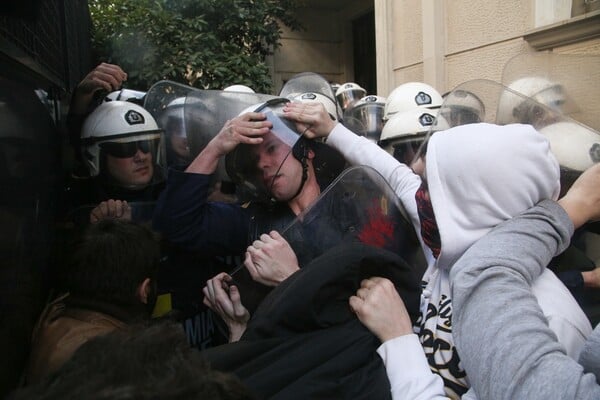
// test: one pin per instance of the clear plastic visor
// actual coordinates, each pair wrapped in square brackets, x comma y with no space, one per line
[365,120]
[571,142]
[257,167]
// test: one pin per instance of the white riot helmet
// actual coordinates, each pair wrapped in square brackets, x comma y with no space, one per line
[173,111]
[410,95]
[306,82]
[118,128]
[348,94]
[462,107]
[404,133]
[514,108]
[365,117]
[311,97]
[575,146]
[239,88]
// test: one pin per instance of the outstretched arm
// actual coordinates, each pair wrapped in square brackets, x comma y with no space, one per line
[182,213]
[497,320]
[246,128]
[582,201]
[380,308]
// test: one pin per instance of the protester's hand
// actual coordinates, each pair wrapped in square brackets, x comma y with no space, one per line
[312,119]
[270,260]
[591,278]
[224,298]
[379,307]
[246,128]
[582,201]
[105,76]
[111,209]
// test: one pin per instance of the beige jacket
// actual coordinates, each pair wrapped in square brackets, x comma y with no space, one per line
[60,331]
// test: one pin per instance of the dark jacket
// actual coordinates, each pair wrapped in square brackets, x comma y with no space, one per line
[185,217]
[304,342]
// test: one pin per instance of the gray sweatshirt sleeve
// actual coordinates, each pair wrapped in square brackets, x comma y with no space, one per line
[590,355]
[500,332]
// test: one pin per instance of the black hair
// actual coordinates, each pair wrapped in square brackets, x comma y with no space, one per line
[110,260]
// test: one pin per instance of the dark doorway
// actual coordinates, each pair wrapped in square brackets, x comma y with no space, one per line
[363,36]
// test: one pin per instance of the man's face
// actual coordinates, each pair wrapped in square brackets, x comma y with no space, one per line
[179,144]
[280,172]
[131,170]
[177,137]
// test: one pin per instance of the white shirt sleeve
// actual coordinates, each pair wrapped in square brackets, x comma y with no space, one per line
[408,371]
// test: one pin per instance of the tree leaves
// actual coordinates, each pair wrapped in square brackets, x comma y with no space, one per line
[208,44]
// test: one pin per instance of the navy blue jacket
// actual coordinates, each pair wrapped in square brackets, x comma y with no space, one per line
[185,217]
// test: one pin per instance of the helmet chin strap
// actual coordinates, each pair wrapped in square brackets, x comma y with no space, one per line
[304,173]
[304,163]
[304,177]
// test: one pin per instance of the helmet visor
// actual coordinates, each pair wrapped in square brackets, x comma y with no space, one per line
[462,107]
[365,120]
[406,151]
[129,149]
[460,116]
[575,80]
[132,162]
[347,98]
[165,100]
[257,166]
[307,82]
[574,145]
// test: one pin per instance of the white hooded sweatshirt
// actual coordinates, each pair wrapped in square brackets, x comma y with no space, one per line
[478,176]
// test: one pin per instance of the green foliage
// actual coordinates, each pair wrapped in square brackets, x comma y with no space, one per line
[208,44]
